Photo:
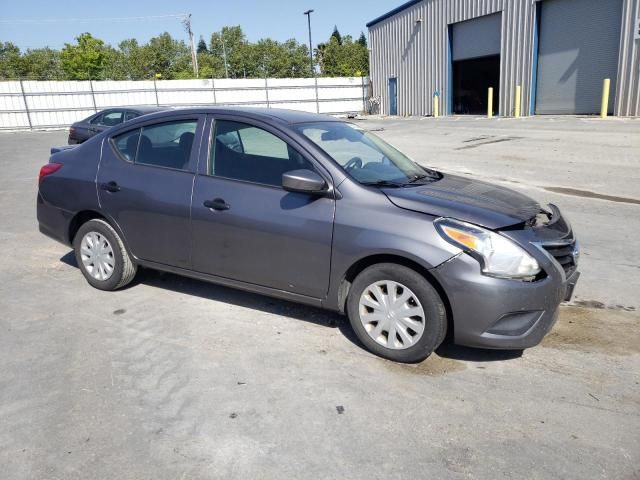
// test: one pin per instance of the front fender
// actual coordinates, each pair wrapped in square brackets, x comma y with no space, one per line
[374,227]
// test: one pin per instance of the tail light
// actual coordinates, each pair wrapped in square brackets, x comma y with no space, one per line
[48,169]
[72,130]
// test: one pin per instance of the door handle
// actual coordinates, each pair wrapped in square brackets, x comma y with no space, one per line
[110,187]
[217,204]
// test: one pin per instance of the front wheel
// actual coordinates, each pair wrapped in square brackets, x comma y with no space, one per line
[102,256]
[396,313]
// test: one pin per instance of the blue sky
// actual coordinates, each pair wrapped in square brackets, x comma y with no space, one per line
[38,23]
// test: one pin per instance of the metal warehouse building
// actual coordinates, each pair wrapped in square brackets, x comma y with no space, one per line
[557,51]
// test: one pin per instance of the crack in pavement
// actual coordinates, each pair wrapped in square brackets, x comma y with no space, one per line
[497,140]
[588,194]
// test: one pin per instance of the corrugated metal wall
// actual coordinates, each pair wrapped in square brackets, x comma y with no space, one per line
[628,85]
[417,54]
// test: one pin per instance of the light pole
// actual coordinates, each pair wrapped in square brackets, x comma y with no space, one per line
[224,54]
[308,14]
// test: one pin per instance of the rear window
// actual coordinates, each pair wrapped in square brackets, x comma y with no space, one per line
[108,119]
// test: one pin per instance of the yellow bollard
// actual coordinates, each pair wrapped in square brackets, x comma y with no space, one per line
[436,106]
[604,106]
[490,103]
[516,110]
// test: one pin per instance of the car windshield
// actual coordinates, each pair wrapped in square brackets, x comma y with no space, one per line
[364,156]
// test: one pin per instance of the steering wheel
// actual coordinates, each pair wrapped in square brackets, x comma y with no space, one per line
[355,162]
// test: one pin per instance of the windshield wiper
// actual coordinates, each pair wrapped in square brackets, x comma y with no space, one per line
[419,176]
[431,175]
[382,183]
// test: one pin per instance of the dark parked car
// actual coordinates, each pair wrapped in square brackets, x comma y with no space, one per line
[99,122]
[315,210]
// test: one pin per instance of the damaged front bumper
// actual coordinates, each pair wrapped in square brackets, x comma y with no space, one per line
[503,313]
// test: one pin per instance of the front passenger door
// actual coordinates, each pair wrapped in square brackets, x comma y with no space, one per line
[246,226]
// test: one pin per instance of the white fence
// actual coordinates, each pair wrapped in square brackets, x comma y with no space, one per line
[37,104]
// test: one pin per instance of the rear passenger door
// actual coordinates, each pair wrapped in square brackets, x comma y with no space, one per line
[245,225]
[145,180]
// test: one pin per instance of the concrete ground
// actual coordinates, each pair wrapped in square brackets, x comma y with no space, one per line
[178,379]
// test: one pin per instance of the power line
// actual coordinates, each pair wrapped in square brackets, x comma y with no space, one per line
[42,21]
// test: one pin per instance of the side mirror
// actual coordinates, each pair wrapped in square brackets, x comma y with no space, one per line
[303,181]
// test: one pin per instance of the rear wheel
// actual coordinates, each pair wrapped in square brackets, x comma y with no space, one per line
[396,313]
[102,257]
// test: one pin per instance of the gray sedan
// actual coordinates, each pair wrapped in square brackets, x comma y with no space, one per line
[100,121]
[316,210]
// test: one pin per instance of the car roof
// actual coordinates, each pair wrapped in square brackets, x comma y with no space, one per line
[141,109]
[144,109]
[266,114]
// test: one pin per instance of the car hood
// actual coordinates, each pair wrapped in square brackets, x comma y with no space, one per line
[468,200]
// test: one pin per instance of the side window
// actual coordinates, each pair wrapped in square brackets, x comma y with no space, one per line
[111,118]
[162,145]
[244,152]
[167,144]
[260,142]
[130,116]
[127,144]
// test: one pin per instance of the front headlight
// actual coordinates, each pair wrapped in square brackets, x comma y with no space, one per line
[498,256]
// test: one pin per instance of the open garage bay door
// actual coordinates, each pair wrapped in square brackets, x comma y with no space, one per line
[578,49]
[475,56]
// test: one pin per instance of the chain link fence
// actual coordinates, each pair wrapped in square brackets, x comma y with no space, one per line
[31,104]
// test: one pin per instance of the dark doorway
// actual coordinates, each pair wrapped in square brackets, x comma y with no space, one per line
[471,81]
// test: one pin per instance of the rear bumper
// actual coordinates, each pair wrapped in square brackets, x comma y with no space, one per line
[52,221]
[501,313]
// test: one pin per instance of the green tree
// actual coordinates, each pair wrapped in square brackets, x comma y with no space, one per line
[210,66]
[269,58]
[296,59]
[347,59]
[168,57]
[11,63]
[129,62]
[84,60]
[362,40]
[357,57]
[336,35]
[42,64]
[227,45]
[202,46]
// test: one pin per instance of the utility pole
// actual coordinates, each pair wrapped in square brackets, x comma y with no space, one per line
[308,14]
[186,21]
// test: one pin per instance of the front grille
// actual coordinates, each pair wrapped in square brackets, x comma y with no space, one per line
[565,255]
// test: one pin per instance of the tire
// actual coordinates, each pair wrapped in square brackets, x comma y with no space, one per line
[123,269]
[403,281]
